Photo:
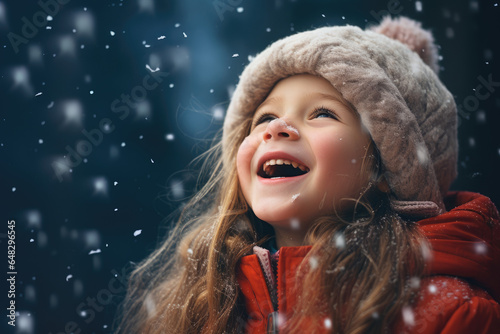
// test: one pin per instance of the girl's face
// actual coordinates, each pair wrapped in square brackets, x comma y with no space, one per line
[304,153]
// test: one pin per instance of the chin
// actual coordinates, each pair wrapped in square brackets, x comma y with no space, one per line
[275,217]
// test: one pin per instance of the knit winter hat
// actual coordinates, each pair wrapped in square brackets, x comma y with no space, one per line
[389,74]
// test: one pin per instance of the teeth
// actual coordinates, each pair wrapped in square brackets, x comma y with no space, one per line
[273,162]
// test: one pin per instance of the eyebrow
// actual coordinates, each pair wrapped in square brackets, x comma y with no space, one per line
[329,97]
[271,100]
[333,98]
[324,96]
[337,99]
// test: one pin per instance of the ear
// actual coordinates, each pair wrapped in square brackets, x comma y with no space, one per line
[382,185]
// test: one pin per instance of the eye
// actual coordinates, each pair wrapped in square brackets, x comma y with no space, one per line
[263,118]
[322,112]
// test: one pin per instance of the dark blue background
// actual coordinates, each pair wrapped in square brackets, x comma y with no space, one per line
[61,217]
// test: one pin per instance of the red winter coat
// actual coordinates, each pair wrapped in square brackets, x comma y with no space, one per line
[460,295]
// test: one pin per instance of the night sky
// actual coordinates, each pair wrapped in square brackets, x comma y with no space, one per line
[104,104]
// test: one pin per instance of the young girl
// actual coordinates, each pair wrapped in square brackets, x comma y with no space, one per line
[328,208]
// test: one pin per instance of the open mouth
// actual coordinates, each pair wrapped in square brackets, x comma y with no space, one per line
[278,168]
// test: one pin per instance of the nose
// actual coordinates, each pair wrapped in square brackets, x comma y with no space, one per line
[279,129]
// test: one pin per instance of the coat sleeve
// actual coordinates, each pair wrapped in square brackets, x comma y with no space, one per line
[448,305]
[478,315]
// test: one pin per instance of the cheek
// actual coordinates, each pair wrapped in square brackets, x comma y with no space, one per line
[341,158]
[244,159]
[336,154]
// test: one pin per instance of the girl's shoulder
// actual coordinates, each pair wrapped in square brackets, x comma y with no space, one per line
[461,292]
[448,304]
[465,241]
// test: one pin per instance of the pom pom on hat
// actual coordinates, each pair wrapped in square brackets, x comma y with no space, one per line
[410,33]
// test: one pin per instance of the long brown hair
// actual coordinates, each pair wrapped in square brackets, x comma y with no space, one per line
[363,262]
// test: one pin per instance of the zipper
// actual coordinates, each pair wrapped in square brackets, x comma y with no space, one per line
[272,318]
[274,266]
[269,269]
[272,323]
[269,265]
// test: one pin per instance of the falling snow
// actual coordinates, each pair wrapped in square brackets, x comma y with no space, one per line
[218,113]
[150,306]
[426,251]
[415,282]
[177,189]
[481,116]
[422,155]
[313,262]
[481,248]
[100,186]
[146,6]
[408,316]
[21,80]
[339,241]
[84,25]
[73,112]
[25,323]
